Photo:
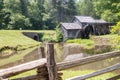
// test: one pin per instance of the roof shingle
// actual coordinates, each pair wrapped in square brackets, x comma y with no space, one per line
[71,26]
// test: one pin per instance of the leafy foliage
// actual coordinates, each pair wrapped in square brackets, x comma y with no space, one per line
[59,35]
[46,14]
[116,42]
[4,16]
[19,21]
[116,29]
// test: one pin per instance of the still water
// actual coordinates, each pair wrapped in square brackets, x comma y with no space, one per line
[64,53]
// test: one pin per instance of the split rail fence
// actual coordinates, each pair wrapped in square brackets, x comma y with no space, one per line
[48,69]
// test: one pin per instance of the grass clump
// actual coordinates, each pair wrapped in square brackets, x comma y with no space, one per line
[28,73]
[86,42]
[69,74]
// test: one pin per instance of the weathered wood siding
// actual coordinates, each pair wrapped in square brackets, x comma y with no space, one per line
[77,21]
[64,31]
[73,34]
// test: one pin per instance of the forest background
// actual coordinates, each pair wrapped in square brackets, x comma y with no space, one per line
[46,14]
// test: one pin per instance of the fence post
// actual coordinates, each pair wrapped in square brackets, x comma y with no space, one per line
[51,64]
[41,52]
[42,71]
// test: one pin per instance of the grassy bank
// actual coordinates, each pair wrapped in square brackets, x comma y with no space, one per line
[69,74]
[14,38]
[16,57]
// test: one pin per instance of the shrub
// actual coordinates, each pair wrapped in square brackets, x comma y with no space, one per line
[40,36]
[59,35]
[115,29]
[48,38]
[116,42]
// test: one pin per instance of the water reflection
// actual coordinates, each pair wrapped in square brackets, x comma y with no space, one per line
[63,53]
[29,57]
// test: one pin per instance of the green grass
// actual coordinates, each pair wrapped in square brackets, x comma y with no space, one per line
[81,41]
[106,36]
[14,38]
[70,74]
[28,73]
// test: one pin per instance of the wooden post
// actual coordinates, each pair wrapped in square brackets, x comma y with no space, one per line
[41,52]
[42,71]
[51,64]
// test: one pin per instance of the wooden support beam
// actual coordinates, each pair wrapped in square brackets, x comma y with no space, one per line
[22,68]
[51,64]
[86,60]
[99,72]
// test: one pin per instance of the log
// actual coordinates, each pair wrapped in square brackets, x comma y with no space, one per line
[99,72]
[51,64]
[86,60]
[22,68]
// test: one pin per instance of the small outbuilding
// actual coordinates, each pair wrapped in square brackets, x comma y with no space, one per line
[71,30]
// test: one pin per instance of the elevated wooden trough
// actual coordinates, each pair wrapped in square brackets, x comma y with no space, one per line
[47,68]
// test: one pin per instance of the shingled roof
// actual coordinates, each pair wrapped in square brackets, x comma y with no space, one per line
[100,21]
[70,26]
[85,19]
[88,19]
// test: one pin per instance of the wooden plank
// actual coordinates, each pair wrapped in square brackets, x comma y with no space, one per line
[22,68]
[86,60]
[51,64]
[114,78]
[99,72]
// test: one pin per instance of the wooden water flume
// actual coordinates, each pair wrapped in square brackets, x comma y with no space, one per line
[47,68]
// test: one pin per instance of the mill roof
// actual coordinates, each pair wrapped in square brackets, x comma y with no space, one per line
[70,26]
[88,19]
[85,18]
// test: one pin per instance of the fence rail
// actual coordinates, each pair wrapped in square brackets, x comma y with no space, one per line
[47,69]
[102,71]
[86,60]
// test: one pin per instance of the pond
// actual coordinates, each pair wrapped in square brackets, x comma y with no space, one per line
[64,52]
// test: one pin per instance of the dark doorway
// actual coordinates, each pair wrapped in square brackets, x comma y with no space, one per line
[36,38]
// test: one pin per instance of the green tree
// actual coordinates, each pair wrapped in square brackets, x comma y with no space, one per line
[86,8]
[23,6]
[4,16]
[72,9]
[116,29]
[19,21]
[108,9]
